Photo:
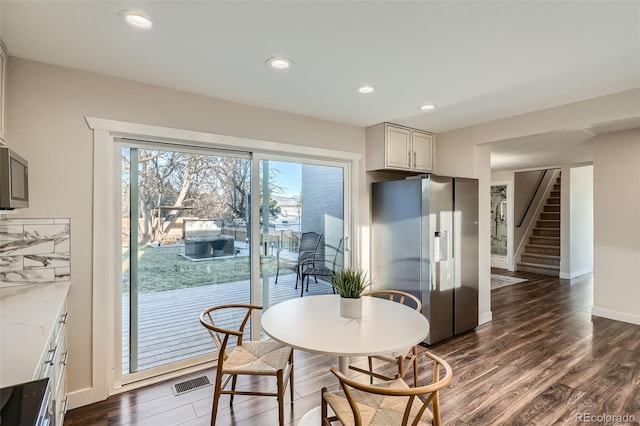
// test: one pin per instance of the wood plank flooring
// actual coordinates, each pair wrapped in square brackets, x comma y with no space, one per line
[542,360]
[168,326]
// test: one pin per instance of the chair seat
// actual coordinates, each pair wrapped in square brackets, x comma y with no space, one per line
[377,410]
[257,357]
[319,271]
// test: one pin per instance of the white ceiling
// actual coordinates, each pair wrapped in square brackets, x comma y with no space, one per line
[477,61]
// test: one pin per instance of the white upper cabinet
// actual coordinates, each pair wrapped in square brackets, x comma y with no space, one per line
[393,147]
[422,147]
[3,89]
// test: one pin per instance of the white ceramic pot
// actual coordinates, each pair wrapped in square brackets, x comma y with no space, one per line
[350,308]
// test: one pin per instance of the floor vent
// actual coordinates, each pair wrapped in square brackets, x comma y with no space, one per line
[189,385]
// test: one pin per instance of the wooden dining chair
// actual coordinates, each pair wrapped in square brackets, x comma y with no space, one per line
[403,359]
[388,403]
[253,358]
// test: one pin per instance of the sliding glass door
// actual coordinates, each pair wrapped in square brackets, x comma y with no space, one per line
[303,227]
[185,247]
[204,227]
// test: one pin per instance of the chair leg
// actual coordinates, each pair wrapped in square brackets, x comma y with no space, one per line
[234,379]
[370,369]
[415,367]
[291,376]
[297,277]
[400,361]
[281,397]
[323,408]
[216,397]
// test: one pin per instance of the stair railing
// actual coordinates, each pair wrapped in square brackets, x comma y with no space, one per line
[524,215]
[527,233]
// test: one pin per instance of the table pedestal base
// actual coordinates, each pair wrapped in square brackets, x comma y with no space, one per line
[343,365]
[313,417]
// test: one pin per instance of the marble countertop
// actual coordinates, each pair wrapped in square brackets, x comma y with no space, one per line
[28,315]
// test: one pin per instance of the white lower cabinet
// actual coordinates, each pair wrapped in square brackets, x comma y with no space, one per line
[54,367]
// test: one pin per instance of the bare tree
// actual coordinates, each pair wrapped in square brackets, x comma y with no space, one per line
[210,186]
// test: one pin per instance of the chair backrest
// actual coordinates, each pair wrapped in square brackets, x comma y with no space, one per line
[220,333]
[309,241]
[396,296]
[421,395]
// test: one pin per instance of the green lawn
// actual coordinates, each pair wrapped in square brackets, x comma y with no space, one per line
[162,268]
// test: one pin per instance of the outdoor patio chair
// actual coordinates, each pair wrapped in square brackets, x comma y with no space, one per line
[309,242]
[388,403]
[253,358]
[317,267]
[402,359]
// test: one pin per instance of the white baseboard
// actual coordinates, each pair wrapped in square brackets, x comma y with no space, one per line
[81,397]
[499,262]
[616,315]
[485,317]
[575,274]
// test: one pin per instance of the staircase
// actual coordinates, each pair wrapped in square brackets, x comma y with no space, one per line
[542,253]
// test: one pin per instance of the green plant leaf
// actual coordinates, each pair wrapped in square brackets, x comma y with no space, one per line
[350,283]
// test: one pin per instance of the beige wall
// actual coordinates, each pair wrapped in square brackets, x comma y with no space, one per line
[578,258]
[617,249]
[616,168]
[46,106]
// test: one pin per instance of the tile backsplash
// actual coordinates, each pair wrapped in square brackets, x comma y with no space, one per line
[34,251]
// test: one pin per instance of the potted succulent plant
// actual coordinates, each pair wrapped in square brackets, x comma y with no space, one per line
[350,284]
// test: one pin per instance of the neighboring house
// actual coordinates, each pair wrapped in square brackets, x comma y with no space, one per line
[46,106]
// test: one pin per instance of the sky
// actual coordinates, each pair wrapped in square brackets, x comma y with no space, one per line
[289,177]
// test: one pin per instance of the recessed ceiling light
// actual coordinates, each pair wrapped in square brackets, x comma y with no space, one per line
[365,89]
[279,62]
[135,19]
[427,107]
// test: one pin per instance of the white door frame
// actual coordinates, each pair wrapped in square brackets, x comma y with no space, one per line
[106,226]
[509,221]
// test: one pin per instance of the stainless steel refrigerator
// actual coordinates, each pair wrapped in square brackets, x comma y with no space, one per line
[424,241]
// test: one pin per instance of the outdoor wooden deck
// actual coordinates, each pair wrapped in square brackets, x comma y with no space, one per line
[169,328]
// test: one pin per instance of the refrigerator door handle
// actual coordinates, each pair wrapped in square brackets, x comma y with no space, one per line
[440,243]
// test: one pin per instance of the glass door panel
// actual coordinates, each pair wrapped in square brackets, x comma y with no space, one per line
[185,247]
[302,198]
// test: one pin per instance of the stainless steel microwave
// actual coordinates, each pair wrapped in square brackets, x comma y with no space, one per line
[14,180]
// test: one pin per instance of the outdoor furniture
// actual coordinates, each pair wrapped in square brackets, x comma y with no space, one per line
[309,242]
[404,358]
[388,403]
[254,358]
[318,268]
[203,238]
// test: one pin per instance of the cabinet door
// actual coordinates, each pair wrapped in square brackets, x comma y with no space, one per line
[398,148]
[422,145]
[3,87]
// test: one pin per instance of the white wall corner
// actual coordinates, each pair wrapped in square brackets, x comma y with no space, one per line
[616,315]
[575,274]
[485,317]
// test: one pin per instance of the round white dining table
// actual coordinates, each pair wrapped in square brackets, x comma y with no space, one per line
[314,324]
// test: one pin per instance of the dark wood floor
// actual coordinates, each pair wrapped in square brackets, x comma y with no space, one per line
[542,360]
